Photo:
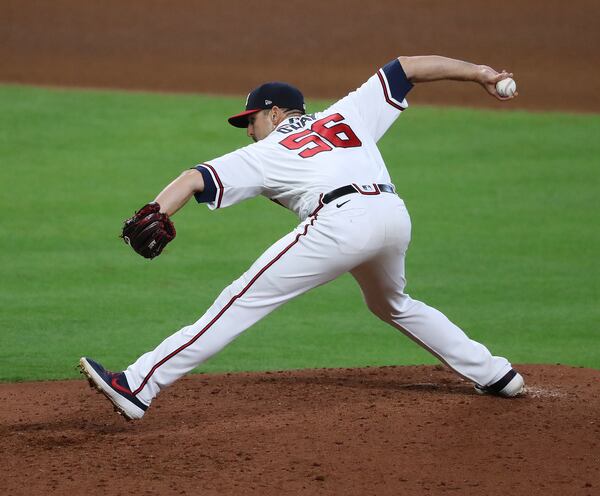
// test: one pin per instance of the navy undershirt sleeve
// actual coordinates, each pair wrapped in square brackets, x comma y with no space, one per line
[397,80]
[210,189]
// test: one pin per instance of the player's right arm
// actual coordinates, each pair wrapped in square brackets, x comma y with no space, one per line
[382,98]
[378,102]
[426,68]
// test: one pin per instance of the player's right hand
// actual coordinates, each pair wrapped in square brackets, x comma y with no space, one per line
[488,77]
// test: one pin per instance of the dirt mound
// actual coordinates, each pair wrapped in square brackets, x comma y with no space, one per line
[326,48]
[388,430]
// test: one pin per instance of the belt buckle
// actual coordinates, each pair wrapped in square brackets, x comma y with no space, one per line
[367,189]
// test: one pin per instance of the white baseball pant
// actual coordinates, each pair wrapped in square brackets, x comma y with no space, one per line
[367,236]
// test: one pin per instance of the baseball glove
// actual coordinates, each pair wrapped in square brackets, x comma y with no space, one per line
[148,231]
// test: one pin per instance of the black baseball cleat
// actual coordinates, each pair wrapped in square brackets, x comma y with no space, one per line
[114,386]
[510,385]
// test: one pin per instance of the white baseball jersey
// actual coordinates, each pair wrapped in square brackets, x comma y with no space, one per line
[312,154]
[366,234]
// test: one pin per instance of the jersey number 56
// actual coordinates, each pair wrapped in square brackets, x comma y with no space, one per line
[323,136]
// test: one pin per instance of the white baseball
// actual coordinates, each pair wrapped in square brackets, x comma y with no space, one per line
[506,87]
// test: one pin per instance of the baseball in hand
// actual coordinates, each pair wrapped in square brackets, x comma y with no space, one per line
[506,87]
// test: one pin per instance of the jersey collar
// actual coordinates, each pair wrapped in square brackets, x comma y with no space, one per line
[290,120]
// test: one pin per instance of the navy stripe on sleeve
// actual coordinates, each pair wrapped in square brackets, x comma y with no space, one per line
[210,189]
[397,81]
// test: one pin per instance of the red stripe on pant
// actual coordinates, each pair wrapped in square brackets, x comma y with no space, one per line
[218,316]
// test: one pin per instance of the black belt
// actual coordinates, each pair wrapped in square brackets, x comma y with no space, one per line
[367,189]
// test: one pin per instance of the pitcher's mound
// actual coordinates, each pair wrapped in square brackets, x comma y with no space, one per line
[372,431]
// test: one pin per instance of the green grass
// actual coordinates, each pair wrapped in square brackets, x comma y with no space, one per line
[505,236]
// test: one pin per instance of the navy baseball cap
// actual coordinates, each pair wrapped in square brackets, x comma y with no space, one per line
[267,96]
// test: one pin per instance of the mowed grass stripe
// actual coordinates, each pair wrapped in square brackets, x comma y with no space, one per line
[504,208]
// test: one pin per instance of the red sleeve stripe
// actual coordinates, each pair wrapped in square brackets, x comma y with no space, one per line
[218,181]
[386,94]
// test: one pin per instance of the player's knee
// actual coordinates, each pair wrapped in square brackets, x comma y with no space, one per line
[380,310]
[235,288]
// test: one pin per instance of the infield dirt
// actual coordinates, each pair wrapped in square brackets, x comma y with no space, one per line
[373,431]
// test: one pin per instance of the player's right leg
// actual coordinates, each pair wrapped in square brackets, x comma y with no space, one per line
[382,282]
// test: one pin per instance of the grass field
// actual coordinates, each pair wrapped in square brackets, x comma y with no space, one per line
[505,236]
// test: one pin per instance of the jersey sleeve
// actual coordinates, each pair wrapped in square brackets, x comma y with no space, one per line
[230,179]
[380,100]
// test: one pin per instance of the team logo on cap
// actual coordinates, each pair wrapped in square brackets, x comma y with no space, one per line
[268,102]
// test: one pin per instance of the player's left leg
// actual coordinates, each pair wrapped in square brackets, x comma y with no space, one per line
[319,250]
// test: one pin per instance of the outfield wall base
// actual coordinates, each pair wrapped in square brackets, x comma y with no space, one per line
[326,48]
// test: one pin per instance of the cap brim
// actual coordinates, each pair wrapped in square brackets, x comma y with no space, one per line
[241,119]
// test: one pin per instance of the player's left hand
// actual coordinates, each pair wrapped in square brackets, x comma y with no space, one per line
[148,231]
[488,77]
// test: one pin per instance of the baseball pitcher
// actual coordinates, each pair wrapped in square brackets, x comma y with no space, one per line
[326,168]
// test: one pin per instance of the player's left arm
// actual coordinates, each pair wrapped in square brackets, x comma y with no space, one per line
[150,229]
[425,68]
[179,191]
